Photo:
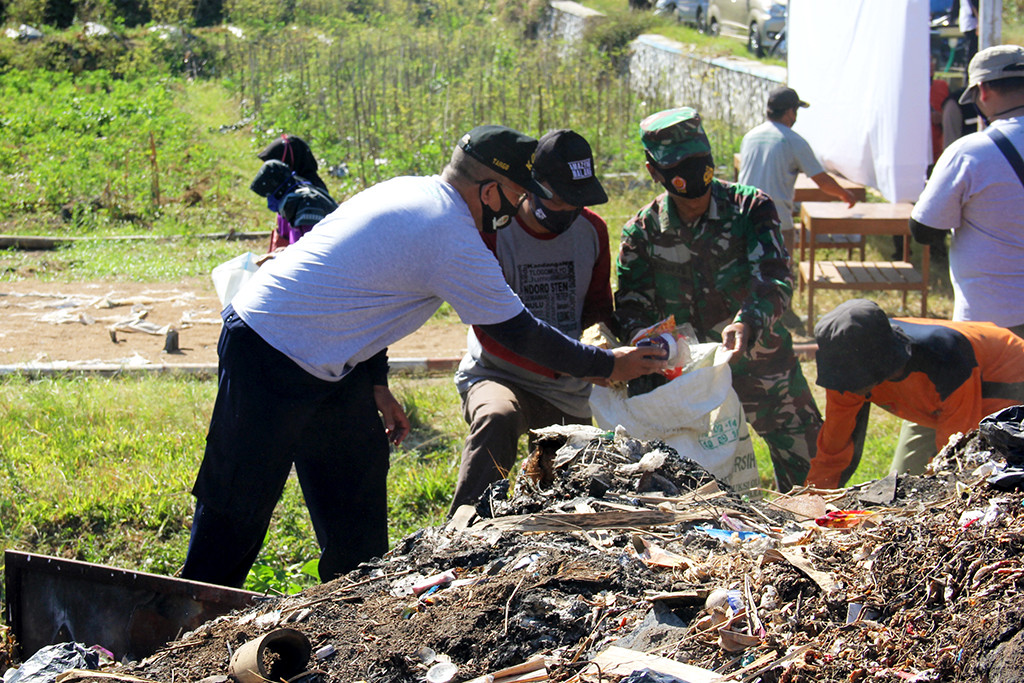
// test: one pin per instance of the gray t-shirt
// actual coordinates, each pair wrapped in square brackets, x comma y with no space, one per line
[371,273]
[974,192]
[552,275]
[771,157]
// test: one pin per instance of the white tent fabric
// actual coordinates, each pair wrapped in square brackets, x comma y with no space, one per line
[863,67]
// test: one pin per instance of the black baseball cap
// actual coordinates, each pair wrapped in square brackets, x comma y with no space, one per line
[858,347]
[507,152]
[783,98]
[565,162]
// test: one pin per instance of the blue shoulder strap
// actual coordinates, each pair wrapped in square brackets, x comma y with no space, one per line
[1008,150]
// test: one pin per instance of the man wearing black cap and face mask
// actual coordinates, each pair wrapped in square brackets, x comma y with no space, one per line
[710,253]
[304,341]
[555,256]
[942,376]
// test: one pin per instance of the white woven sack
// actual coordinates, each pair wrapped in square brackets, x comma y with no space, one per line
[229,276]
[698,414]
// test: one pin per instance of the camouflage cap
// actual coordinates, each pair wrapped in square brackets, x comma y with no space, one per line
[672,135]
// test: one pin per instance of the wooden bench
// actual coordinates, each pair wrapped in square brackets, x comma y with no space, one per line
[862,219]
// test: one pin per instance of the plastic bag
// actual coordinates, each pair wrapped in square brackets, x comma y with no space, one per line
[698,414]
[1004,431]
[51,661]
[675,341]
[229,276]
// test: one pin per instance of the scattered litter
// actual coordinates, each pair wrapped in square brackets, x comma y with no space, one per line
[278,655]
[435,581]
[844,519]
[556,578]
[442,672]
[49,662]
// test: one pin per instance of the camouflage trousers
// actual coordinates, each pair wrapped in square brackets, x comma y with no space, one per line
[779,407]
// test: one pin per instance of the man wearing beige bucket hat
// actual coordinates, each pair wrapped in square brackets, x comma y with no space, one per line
[976,191]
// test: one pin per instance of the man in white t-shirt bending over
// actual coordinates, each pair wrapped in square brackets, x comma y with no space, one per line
[302,378]
[975,193]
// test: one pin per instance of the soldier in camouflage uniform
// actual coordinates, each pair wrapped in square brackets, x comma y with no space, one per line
[711,254]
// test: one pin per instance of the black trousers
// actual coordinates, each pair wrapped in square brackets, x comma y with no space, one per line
[269,415]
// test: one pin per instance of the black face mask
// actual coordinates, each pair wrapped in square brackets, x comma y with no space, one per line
[690,178]
[496,220]
[553,221]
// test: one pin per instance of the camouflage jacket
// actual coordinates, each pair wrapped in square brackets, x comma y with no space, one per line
[729,266]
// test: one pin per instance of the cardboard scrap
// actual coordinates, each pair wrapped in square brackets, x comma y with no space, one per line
[804,506]
[656,556]
[880,492]
[619,661]
[795,558]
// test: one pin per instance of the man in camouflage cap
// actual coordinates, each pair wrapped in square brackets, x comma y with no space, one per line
[710,253]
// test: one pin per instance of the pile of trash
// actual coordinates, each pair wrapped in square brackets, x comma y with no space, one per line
[615,559]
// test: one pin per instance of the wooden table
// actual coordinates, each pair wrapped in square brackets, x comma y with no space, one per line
[863,219]
[806,190]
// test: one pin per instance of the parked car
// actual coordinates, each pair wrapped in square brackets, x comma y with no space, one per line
[948,45]
[942,9]
[781,48]
[693,12]
[759,21]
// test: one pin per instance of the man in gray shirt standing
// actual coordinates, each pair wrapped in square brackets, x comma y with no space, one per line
[773,154]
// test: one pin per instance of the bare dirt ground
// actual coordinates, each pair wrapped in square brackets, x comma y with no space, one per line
[106,322]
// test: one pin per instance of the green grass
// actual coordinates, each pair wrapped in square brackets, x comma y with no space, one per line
[100,470]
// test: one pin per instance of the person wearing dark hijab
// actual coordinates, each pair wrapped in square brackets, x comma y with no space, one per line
[295,152]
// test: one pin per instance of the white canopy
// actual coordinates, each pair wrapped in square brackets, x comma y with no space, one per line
[863,65]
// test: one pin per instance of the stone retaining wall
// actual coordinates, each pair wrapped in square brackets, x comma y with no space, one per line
[730,90]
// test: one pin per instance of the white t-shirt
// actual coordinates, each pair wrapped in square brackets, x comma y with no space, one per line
[967,19]
[974,192]
[371,273]
[771,157]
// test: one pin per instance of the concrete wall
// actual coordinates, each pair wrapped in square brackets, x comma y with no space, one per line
[730,90]
[567,21]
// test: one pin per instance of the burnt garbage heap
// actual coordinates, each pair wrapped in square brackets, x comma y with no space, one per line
[614,555]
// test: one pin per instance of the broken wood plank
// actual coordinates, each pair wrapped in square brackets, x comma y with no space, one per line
[694,596]
[572,521]
[82,675]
